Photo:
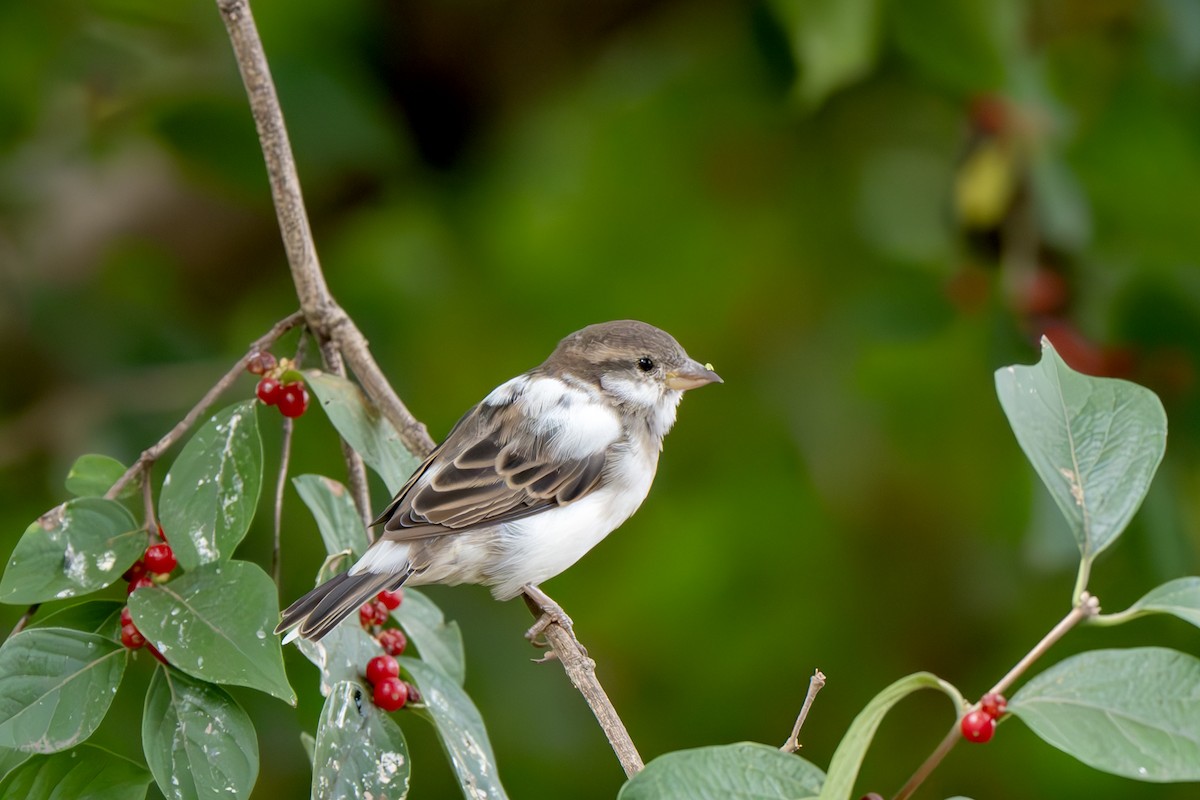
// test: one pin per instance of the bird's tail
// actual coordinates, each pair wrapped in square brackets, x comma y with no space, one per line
[318,612]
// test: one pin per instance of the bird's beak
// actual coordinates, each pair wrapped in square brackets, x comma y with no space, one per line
[692,375]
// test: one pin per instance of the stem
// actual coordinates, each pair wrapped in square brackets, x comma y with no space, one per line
[1081,581]
[154,453]
[815,684]
[148,503]
[24,620]
[280,485]
[356,471]
[1088,607]
[945,746]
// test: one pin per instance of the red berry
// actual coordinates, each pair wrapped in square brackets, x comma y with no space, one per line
[136,571]
[374,613]
[131,637]
[993,704]
[391,694]
[260,363]
[160,559]
[126,617]
[978,726]
[293,401]
[381,667]
[269,391]
[138,584]
[391,599]
[393,641]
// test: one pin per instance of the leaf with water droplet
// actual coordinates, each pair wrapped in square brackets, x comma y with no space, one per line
[209,496]
[55,687]
[460,728]
[74,549]
[206,623]
[198,741]
[343,767]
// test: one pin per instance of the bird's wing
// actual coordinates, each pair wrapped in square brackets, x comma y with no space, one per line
[501,463]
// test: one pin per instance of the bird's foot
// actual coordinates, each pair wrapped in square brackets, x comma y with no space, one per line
[550,613]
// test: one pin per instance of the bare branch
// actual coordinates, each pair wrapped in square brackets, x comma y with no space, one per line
[24,620]
[582,672]
[815,684]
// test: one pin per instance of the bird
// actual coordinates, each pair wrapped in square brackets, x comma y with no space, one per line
[529,479]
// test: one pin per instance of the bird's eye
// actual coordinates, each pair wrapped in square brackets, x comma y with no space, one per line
[645,364]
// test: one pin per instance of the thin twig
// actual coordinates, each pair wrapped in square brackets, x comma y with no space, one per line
[1088,607]
[151,520]
[280,485]
[582,672]
[154,453]
[815,684]
[24,620]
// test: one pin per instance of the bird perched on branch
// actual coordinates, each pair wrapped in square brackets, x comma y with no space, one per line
[529,479]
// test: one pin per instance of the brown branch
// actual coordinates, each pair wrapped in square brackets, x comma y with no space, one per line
[815,684]
[582,672]
[24,620]
[152,454]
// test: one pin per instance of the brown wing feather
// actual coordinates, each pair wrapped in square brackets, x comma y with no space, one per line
[482,476]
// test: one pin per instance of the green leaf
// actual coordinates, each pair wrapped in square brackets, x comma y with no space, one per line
[343,767]
[215,623]
[309,743]
[209,496]
[744,771]
[332,507]
[55,687]
[85,773]
[1095,442]
[80,546]
[10,759]
[364,428]
[438,642]
[1132,712]
[93,475]
[1180,598]
[95,616]
[342,654]
[198,741]
[834,43]
[460,729]
[848,758]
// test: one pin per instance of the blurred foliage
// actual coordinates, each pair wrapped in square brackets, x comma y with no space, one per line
[855,210]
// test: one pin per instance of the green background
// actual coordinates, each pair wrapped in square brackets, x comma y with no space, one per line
[773,183]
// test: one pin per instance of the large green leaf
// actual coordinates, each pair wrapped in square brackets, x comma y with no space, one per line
[10,759]
[744,771]
[834,43]
[342,766]
[85,773]
[1095,442]
[199,742]
[460,729]
[848,758]
[1132,712]
[332,507]
[364,428]
[55,687]
[81,546]
[215,623]
[209,496]
[92,475]
[439,642]
[1180,598]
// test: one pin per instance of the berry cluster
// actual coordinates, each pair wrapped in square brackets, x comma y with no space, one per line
[290,398]
[383,672]
[979,725]
[155,565]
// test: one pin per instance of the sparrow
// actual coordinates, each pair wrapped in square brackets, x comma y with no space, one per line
[530,479]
